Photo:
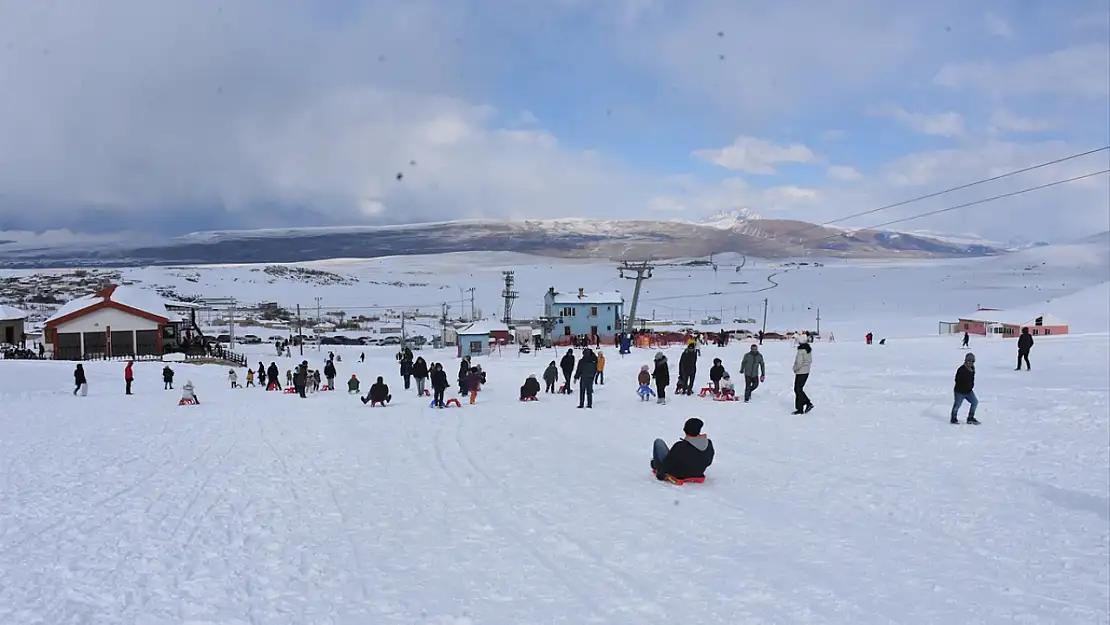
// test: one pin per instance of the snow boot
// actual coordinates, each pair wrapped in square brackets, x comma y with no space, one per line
[954,421]
[972,421]
[807,409]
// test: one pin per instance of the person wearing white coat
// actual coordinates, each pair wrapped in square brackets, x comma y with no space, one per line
[188,394]
[802,362]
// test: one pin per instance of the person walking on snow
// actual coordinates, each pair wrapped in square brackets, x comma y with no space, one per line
[167,378]
[587,370]
[754,370]
[233,378]
[688,368]
[802,362]
[662,376]
[80,383]
[405,356]
[964,390]
[550,377]
[567,365]
[129,375]
[420,374]
[250,378]
[262,380]
[600,376]
[644,380]
[272,374]
[330,373]
[1025,343]
[438,378]
[967,340]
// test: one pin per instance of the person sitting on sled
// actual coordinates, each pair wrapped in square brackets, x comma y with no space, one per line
[379,393]
[728,389]
[644,379]
[187,393]
[687,458]
[352,384]
[531,388]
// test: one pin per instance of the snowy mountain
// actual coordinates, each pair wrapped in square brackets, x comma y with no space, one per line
[739,231]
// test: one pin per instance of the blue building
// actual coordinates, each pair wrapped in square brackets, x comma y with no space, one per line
[582,313]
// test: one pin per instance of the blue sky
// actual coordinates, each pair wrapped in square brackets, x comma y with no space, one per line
[120,117]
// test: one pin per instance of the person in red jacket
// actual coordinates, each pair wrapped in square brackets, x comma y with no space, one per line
[129,375]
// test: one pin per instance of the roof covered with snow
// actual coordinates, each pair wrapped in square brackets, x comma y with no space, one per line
[9,313]
[483,328]
[1014,318]
[135,297]
[604,297]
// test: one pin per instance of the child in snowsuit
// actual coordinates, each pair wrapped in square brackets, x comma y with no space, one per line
[474,384]
[233,378]
[662,375]
[352,384]
[250,377]
[550,377]
[167,378]
[187,393]
[644,379]
[716,373]
[289,377]
[727,388]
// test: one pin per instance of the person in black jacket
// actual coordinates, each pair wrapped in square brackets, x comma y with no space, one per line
[262,378]
[420,374]
[330,373]
[1025,343]
[687,458]
[964,390]
[379,393]
[464,372]
[439,384]
[662,376]
[716,372]
[167,378]
[405,356]
[567,365]
[550,377]
[79,380]
[688,369]
[272,373]
[531,388]
[587,371]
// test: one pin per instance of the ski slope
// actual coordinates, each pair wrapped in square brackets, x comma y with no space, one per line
[263,508]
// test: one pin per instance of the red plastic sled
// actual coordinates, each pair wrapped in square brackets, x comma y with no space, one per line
[678,482]
[187,402]
[532,398]
[325,388]
[706,390]
[728,397]
[289,390]
[272,387]
[452,402]
[427,393]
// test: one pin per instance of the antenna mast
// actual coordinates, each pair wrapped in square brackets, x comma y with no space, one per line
[510,295]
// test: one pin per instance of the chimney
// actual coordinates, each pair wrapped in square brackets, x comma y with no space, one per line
[581,293]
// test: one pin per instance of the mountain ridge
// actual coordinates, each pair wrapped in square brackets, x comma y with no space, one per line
[620,239]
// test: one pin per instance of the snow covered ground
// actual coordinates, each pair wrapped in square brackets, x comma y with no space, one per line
[264,508]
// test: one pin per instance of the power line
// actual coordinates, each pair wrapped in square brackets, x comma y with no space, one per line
[985,200]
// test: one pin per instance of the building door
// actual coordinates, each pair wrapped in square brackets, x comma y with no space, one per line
[593,330]
[9,335]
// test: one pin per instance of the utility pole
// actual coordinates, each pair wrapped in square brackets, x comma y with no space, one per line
[462,303]
[472,313]
[300,335]
[642,272]
[318,309]
[509,294]
[764,330]
[443,325]
[818,321]
[404,340]
[231,324]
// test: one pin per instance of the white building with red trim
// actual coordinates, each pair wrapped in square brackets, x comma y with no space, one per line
[115,321]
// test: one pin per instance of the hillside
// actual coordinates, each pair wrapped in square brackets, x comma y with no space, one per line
[570,238]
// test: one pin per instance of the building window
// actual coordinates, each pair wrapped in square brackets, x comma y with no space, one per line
[593,311]
[566,330]
[569,311]
[1036,331]
[1047,331]
[608,328]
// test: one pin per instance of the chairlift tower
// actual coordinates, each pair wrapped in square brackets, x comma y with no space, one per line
[638,272]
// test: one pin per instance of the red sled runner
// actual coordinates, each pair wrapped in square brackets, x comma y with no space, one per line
[678,482]
[706,390]
[187,402]
[532,398]
[726,397]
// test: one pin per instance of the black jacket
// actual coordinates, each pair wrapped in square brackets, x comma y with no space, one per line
[1025,342]
[716,372]
[662,373]
[551,374]
[272,372]
[965,379]
[464,369]
[329,370]
[531,388]
[439,379]
[567,364]
[379,391]
[79,376]
[688,362]
[689,457]
[420,369]
[167,374]
[587,366]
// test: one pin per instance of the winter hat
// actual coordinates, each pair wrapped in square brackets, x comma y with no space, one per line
[380,380]
[726,375]
[716,361]
[531,376]
[693,426]
[659,356]
[969,358]
[644,368]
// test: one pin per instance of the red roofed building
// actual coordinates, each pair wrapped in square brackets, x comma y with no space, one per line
[115,321]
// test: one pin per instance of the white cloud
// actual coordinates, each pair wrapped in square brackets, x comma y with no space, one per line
[756,156]
[997,26]
[1003,120]
[946,124]
[1082,71]
[843,172]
